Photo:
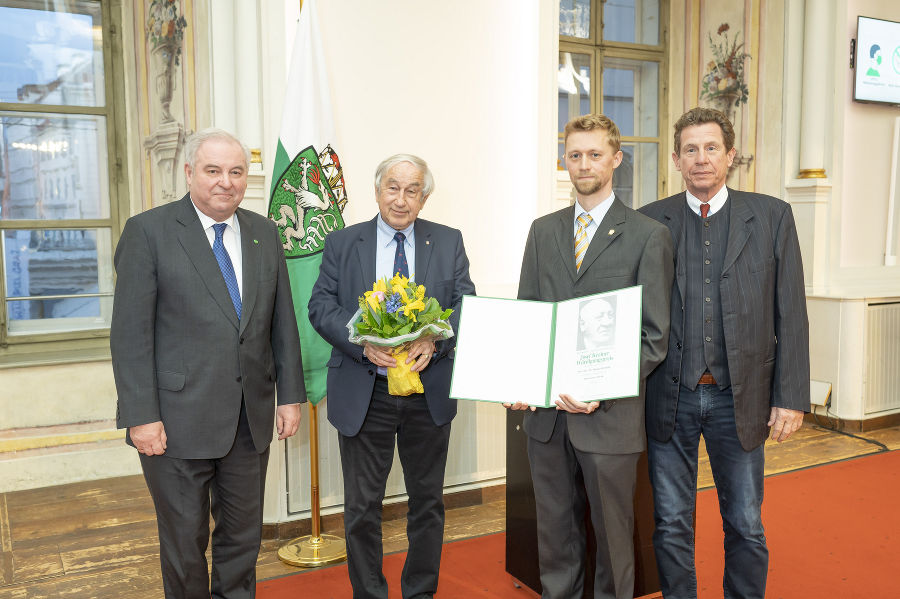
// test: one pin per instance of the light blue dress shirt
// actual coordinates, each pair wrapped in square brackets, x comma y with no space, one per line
[386,248]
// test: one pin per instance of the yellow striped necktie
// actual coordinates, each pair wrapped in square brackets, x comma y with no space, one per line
[581,238]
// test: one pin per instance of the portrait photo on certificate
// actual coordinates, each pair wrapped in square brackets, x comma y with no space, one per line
[586,347]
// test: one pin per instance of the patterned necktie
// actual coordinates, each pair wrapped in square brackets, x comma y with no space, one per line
[581,238]
[704,210]
[227,268]
[400,265]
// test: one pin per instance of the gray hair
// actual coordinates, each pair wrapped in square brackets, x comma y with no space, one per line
[417,162]
[193,143]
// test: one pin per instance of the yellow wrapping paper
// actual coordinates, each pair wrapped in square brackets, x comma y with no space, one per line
[402,381]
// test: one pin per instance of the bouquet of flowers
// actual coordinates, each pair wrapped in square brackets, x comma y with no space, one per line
[394,313]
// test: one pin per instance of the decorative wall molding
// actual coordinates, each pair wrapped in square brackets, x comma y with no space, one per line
[167,110]
[164,148]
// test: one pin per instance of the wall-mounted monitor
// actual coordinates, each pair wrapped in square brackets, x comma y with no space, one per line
[877,61]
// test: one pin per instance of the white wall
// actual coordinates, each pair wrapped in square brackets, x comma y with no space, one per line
[470,87]
[865,156]
[860,155]
[842,219]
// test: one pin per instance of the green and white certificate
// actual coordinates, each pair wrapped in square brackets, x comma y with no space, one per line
[525,351]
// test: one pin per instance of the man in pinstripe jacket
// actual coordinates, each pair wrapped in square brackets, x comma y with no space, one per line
[738,360]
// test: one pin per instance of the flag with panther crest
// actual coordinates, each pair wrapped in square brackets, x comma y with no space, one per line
[308,193]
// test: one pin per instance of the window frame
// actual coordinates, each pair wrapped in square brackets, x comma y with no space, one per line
[598,49]
[93,343]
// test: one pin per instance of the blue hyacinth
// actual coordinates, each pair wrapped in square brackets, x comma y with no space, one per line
[393,303]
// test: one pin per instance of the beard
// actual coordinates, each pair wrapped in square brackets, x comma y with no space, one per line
[587,188]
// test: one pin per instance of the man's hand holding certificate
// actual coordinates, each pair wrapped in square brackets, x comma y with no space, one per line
[572,353]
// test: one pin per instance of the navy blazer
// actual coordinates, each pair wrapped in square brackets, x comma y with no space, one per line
[348,271]
[763,311]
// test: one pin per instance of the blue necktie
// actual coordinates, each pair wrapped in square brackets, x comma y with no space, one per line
[400,265]
[227,268]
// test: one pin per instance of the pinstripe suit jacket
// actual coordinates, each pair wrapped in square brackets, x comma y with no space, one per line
[763,312]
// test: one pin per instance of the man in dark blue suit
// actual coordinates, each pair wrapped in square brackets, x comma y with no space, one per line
[367,417]
[738,358]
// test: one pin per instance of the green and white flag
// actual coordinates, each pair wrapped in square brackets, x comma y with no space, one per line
[308,194]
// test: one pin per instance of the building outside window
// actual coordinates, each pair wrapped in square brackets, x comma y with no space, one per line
[58,198]
[612,60]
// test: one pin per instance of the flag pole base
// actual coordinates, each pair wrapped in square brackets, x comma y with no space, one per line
[310,551]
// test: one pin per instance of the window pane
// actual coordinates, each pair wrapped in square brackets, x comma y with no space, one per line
[631,95]
[636,180]
[632,21]
[575,18]
[57,167]
[574,84]
[68,268]
[52,53]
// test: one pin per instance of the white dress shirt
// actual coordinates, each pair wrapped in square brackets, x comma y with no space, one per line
[231,239]
[715,203]
[597,215]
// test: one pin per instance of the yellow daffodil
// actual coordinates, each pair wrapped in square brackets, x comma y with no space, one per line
[420,292]
[399,280]
[373,298]
[379,285]
[411,308]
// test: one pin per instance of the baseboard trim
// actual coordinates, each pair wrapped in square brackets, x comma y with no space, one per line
[334,523]
[853,426]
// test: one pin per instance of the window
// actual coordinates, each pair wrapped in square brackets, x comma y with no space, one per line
[57,195]
[612,59]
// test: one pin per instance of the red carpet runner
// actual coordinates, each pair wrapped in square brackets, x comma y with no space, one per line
[833,532]
[469,568]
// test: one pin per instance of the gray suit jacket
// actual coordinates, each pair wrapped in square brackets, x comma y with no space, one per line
[763,312]
[628,249]
[347,271]
[179,353]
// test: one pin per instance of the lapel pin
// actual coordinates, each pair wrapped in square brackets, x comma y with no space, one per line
[427,243]
[256,241]
[611,231]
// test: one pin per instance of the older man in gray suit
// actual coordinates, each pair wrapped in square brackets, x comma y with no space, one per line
[588,452]
[738,358]
[203,330]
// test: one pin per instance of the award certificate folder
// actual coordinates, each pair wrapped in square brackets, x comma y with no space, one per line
[526,351]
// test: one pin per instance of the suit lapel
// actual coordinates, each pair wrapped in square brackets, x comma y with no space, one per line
[195,243]
[674,216]
[608,230]
[565,240]
[250,258]
[366,251]
[738,228]
[424,246]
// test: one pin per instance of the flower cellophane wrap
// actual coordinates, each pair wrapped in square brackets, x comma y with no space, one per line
[394,313]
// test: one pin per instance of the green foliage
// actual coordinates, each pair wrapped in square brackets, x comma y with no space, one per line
[398,307]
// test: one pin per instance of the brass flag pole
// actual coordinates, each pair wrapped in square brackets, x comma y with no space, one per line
[316,549]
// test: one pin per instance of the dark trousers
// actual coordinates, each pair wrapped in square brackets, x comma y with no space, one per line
[366,462]
[184,493]
[565,481]
[739,483]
